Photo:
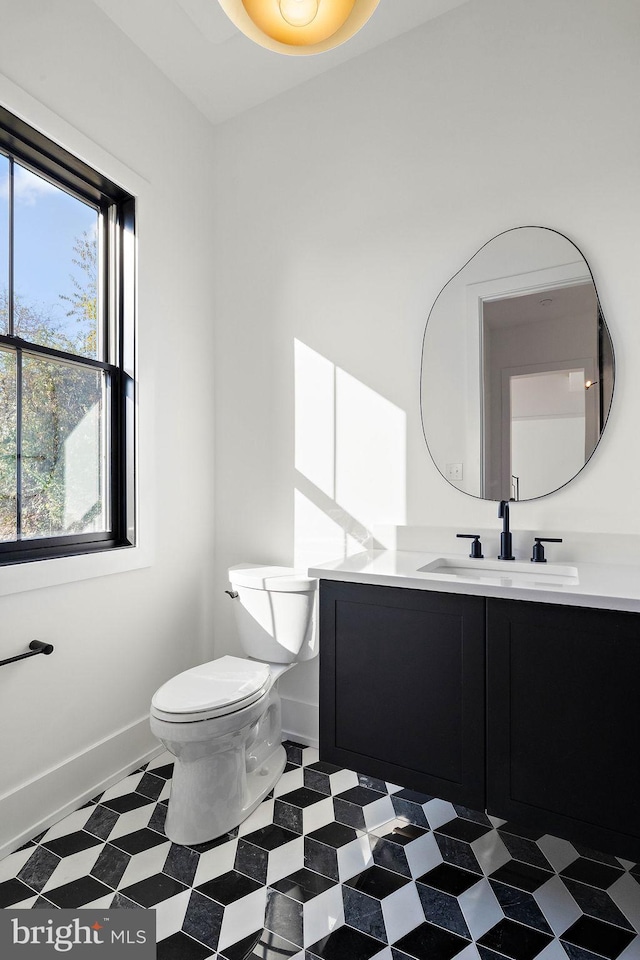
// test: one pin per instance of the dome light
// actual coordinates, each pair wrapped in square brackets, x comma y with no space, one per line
[299,27]
[299,13]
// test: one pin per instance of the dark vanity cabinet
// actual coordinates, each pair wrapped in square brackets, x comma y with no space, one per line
[563,730]
[528,710]
[402,687]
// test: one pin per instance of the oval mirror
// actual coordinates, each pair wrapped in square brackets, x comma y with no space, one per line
[517,368]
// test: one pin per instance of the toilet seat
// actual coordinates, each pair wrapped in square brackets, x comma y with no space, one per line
[212,689]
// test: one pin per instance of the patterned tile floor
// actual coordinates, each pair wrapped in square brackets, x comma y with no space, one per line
[334,866]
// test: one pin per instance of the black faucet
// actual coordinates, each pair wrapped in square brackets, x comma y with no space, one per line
[506,551]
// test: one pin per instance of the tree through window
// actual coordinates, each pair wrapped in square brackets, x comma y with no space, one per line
[66,393]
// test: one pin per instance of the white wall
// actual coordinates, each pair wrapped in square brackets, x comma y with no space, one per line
[78,717]
[344,206]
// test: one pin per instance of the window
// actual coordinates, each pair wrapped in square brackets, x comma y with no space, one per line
[66,352]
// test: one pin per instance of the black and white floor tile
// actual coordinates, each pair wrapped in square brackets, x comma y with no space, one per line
[334,866]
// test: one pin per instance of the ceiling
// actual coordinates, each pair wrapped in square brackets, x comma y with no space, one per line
[220,71]
[576,300]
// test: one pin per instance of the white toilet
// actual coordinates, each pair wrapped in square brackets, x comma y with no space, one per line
[221,720]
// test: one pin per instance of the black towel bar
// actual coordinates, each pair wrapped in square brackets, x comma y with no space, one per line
[36,647]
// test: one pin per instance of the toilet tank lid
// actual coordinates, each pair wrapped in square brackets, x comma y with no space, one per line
[211,685]
[271,578]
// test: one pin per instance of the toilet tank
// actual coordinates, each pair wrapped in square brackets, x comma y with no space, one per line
[275,612]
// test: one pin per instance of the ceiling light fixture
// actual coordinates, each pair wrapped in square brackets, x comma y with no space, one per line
[299,13]
[299,27]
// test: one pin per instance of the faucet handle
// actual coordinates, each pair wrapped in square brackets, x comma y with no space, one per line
[476,546]
[538,550]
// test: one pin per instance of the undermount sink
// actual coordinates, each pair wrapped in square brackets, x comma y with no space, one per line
[502,572]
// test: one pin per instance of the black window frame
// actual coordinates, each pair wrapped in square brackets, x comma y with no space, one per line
[30,148]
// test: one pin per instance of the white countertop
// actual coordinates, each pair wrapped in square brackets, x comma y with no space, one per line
[603,585]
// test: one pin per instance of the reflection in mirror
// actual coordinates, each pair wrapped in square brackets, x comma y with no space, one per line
[517,368]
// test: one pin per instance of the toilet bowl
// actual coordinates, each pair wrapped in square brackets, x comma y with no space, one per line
[222,720]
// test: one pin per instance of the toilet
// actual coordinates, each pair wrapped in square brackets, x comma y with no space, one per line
[221,720]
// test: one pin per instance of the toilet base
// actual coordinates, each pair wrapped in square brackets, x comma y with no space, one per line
[198,814]
[262,781]
[223,768]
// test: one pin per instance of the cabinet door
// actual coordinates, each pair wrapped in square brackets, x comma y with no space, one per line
[402,687]
[564,722]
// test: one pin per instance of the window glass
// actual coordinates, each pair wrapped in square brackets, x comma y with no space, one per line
[8,511]
[55,266]
[62,464]
[67,483]
[4,244]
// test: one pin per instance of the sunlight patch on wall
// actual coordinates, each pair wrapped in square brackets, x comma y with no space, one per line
[350,458]
[319,536]
[314,416]
[370,453]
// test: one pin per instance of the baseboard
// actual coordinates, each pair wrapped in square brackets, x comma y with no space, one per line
[36,805]
[300,722]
